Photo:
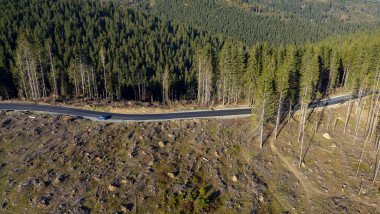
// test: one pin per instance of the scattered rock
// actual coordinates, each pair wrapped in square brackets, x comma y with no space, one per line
[327,136]
[173,174]
[234,178]
[112,187]
[261,199]
[161,144]
[42,202]
[303,164]
[217,154]
[127,207]
[170,135]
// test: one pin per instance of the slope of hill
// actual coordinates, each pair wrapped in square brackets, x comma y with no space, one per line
[58,164]
[100,43]
[275,22]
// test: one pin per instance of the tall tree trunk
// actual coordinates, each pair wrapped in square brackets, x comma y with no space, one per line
[303,135]
[345,76]
[358,121]
[55,89]
[349,108]
[374,124]
[373,104]
[94,83]
[278,114]
[81,74]
[316,122]
[43,80]
[200,78]
[30,77]
[103,59]
[75,80]
[304,106]
[290,110]
[89,83]
[361,91]
[368,138]
[224,89]
[35,79]
[262,120]
[377,162]
[22,74]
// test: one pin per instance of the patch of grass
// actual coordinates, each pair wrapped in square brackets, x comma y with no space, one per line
[202,192]
[202,202]
[286,189]
[161,184]
[362,167]
[235,148]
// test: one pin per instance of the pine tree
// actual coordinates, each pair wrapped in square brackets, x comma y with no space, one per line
[333,72]
[263,108]
[103,61]
[204,60]
[165,85]
[53,72]
[309,79]
[282,84]
[254,70]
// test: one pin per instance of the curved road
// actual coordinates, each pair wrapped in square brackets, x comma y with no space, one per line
[150,117]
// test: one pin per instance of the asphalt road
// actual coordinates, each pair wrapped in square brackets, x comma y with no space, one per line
[150,117]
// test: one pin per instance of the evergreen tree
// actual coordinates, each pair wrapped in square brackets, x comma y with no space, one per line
[309,79]
[263,108]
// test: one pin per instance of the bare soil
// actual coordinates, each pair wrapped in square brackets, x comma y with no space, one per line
[60,164]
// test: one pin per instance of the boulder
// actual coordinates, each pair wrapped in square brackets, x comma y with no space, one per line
[161,144]
[327,136]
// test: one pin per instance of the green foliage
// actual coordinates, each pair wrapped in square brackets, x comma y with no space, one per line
[161,184]
[202,192]
[276,22]
[136,48]
[193,179]
[194,195]
[94,44]
[202,202]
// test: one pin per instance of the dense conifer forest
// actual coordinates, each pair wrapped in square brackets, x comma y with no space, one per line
[105,50]
[92,49]
[275,22]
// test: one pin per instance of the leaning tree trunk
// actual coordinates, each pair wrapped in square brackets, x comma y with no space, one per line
[262,122]
[278,115]
[358,121]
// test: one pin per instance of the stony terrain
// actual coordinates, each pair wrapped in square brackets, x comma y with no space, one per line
[61,164]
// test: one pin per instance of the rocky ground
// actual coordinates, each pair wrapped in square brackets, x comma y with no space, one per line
[60,164]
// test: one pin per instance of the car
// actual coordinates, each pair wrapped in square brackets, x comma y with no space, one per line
[104,117]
